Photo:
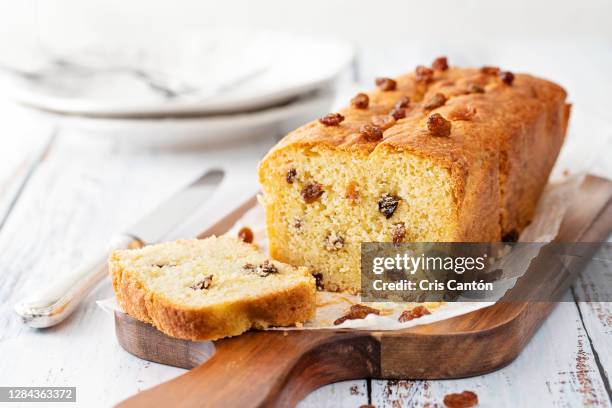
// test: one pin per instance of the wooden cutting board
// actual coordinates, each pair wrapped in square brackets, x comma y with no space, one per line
[277,369]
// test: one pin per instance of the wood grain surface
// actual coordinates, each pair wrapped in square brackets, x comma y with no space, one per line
[281,368]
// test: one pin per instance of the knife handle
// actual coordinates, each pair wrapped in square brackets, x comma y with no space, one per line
[52,304]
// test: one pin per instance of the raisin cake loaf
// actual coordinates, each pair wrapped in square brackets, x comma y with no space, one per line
[209,289]
[442,154]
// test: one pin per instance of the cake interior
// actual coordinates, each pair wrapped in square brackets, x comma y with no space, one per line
[179,271]
[347,213]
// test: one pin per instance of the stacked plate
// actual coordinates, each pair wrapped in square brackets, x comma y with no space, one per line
[203,87]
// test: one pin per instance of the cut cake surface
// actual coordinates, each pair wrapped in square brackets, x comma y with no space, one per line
[211,288]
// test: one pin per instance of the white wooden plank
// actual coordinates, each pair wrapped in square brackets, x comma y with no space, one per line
[556,369]
[349,394]
[592,296]
[72,204]
[22,145]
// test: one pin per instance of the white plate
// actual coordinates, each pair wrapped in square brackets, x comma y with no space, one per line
[198,131]
[218,71]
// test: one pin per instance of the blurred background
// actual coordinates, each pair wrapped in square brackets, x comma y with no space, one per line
[73,23]
[542,36]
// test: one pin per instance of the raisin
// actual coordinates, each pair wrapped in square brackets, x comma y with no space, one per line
[245,234]
[203,284]
[438,126]
[332,119]
[263,270]
[398,232]
[318,280]
[507,77]
[162,264]
[512,236]
[357,311]
[424,74]
[466,399]
[266,268]
[440,64]
[462,113]
[351,192]
[402,102]
[136,244]
[388,204]
[386,84]
[334,242]
[312,192]
[418,311]
[371,133]
[291,174]
[297,223]
[398,113]
[489,70]
[360,101]
[435,101]
[475,88]
[384,122]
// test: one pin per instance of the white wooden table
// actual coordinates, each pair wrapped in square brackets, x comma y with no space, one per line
[62,195]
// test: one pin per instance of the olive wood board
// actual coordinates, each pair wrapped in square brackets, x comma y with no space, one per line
[279,368]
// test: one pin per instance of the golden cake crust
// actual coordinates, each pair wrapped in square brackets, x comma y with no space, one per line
[519,126]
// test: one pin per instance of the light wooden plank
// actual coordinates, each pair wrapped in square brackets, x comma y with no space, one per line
[557,368]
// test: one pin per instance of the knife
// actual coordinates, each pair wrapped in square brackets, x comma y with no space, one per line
[57,301]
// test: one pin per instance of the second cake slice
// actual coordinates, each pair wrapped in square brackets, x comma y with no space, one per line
[209,289]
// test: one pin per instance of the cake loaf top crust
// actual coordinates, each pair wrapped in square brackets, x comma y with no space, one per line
[443,154]
[443,113]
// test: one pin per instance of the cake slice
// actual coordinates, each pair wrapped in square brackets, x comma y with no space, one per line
[443,154]
[211,288]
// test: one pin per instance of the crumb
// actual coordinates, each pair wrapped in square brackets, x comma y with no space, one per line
[335,300]
[386,312]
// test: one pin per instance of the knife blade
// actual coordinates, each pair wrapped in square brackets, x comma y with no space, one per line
[52,304]
[169,214]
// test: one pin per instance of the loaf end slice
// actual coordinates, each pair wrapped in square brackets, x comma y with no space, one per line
[209,289]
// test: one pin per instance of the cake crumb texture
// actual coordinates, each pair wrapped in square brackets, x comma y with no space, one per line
[211,288]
